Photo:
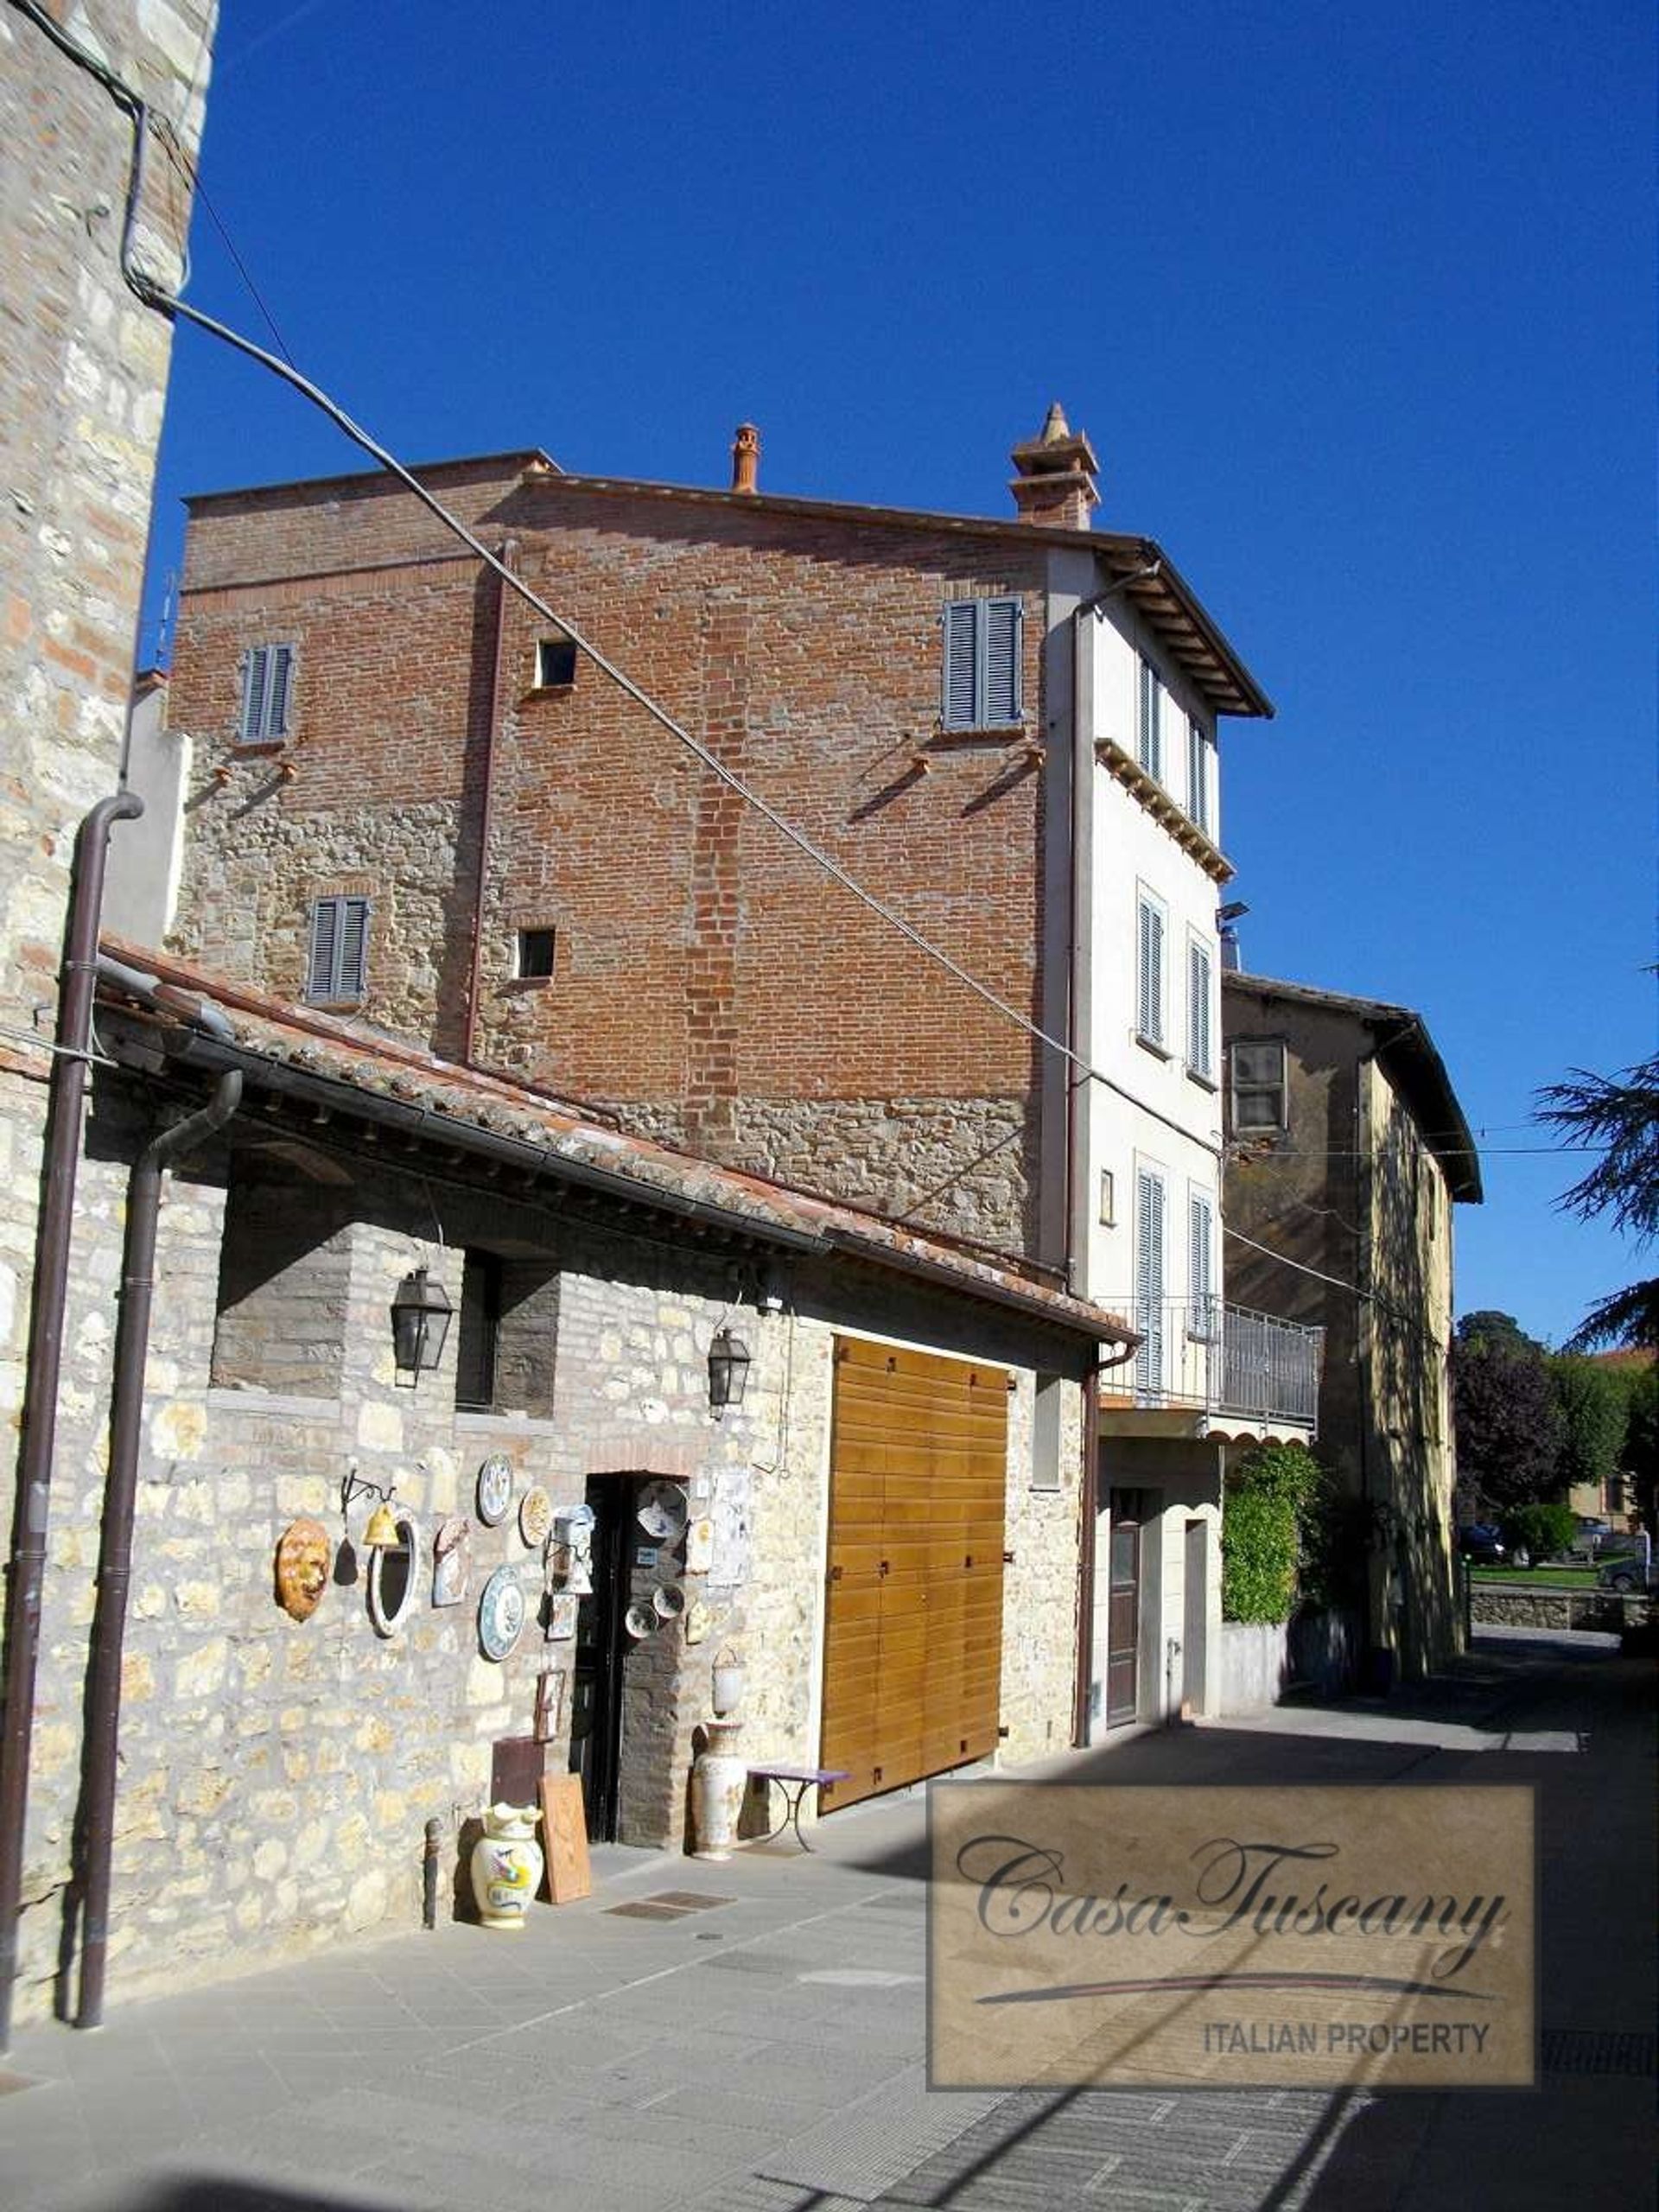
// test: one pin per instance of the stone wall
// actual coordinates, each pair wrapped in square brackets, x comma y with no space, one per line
[276,1776]
[1500,1605]
[86,369]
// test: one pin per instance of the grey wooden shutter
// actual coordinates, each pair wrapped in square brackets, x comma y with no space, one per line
[353,970]
[254,663]
[277,685]
[1198,776]
[958,697]
[1198,1009]
[1004,619]
[323,959]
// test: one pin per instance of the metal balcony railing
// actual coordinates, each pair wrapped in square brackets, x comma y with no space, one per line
[1222,1358]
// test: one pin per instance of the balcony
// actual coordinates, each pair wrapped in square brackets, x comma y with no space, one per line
[1205,1357]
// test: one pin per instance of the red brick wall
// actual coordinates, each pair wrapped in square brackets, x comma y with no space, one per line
[704,966]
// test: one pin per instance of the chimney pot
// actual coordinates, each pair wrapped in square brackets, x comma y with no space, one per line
[746,459]
[1055,481]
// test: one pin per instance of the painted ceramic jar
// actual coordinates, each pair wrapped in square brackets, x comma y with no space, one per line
[506,1865]
[718,1782]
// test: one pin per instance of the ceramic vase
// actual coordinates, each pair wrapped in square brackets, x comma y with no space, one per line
[506,1865]
[718,1782]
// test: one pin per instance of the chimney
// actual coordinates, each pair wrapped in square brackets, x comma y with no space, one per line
[746,459]
[1056,482]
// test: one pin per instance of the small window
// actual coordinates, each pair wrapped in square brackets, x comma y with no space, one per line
[1149,727]
[1260,1100]
[506,1338]
[1198,778]
[267,687]
[1107,1200]
[555,664]
[534,957]
[337,964]
[1046,1433]
[1200,969]
[1150,931]
[980,686]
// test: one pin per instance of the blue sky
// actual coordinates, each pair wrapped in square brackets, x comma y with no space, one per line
[1357,305]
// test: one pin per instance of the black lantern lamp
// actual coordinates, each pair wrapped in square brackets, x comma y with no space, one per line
[728,1370]
[420,1322]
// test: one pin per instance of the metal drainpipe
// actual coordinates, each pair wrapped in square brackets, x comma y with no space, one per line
[25,1568]
[96,1826]
[491,735]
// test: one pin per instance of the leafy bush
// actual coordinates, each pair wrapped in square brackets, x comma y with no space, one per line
[1269,1496]
[1542,1531]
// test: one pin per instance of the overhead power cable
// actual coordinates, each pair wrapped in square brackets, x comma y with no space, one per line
[156,294]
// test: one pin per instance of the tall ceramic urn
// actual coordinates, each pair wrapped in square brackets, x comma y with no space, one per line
[506,1865]
[718,1782]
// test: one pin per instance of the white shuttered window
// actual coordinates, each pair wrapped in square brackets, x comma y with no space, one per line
[1198,777]
[1149,728]
[1205,1323]
[1200,1029]
[1150,929]
[1149,1278]
[980,686]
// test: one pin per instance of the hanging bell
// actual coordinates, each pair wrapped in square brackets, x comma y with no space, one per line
[381,1533]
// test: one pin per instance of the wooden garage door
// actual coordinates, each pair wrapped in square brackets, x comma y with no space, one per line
[913,1616]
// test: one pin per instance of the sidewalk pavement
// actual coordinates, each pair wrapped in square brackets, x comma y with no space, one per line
[749,2037]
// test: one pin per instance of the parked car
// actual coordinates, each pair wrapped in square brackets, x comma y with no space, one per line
[1480,1541]
[1631,1573]
[1593,1532]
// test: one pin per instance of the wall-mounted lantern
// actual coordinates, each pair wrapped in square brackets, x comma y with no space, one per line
[728,1370]
[420,1322]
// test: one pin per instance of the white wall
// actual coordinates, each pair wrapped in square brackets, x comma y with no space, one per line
[1169,1120]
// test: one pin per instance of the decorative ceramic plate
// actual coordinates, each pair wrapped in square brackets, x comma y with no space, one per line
[662,1510]
[500,1613]
[495,1489]
[535,1516]
[640,1621]
[668,1601]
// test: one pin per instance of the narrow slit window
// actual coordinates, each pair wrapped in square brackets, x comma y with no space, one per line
[1149,727]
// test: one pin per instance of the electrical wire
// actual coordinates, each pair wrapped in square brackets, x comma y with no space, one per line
[157,296]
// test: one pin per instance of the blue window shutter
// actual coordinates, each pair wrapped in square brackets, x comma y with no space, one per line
[254,663]
[1149,1277]
[282,667]
[1198,1009]
[959,689]
[323,959]
[1149,731]
[1004,625]
[1149,966]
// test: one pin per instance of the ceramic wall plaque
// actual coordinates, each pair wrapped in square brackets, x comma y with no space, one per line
[452,1561]
[700,1546]
[501,1613]
[561,1609]
[495,1489]
[303,1556]
[662,1510]
[535,1516]
[699,1619]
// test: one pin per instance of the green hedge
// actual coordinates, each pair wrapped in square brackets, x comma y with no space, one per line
[1543,1530]
[1272,1493]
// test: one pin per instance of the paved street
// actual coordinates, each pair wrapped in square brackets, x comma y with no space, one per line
[754,2043]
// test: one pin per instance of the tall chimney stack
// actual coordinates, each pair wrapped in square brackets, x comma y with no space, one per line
[746,459]
[1055,483]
